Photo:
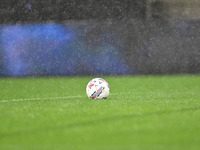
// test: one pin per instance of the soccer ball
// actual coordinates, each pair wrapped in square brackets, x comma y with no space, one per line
[98,88]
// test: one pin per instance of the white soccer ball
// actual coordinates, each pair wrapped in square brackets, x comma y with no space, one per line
[98,88]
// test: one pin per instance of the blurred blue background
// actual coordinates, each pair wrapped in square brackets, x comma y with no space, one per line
[57,49]
[49,38]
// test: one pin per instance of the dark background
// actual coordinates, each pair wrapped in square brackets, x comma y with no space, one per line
[13,11]
[150,38]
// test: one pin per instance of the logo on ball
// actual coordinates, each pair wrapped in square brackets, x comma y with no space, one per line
[98,88]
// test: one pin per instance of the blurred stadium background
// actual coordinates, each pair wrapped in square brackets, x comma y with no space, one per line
[94,37]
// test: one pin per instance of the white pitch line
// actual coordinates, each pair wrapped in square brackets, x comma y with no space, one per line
[41,98]
[44,98]
[51,98]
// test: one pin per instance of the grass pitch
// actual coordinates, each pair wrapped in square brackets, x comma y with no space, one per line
[142,112]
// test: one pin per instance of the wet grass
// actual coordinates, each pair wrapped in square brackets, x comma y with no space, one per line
[142,112]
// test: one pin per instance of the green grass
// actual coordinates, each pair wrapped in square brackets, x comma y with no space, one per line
[142,113]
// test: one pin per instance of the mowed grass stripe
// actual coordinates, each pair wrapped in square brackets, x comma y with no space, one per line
[101,121]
